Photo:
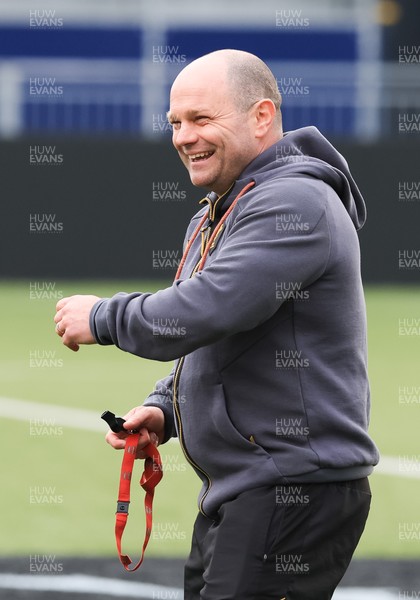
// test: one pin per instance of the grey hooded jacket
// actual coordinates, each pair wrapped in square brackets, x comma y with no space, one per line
[270,384]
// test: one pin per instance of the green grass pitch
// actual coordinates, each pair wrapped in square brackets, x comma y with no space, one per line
[79,473]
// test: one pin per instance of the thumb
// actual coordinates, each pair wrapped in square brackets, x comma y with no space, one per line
[154,439]
[132,423]
[144,437]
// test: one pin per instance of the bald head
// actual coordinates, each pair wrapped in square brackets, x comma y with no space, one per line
[225,111]
[247,78]
[250,80]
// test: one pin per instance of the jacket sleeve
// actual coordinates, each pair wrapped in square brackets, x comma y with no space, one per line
[236,291]
[161,397]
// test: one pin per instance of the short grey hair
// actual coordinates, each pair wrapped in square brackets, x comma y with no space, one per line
[251,80]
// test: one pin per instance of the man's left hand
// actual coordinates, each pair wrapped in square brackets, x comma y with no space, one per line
[72,320]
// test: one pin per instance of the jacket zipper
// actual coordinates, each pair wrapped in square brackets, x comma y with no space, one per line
[181,434]
[205,236]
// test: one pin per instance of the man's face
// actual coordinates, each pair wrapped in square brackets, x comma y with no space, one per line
[214,141]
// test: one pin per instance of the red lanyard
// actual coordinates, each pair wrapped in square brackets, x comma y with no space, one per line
[214,234]
[152,474]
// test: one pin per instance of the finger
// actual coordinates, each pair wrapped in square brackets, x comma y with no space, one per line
[144,441]
[58,316]
[154,439]
[133,423]
[69,342]
[135,418]
[59,331]
[131,413]
[115,440]
[144,438]
[61,303]
[73,346]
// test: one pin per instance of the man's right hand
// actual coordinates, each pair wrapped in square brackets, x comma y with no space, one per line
[148,420]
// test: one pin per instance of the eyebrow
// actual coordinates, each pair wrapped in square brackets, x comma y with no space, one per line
[190,114]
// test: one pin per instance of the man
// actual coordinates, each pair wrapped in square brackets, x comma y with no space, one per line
[269,395]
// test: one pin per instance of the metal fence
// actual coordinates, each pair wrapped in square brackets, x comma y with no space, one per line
[79,70]
[117,98]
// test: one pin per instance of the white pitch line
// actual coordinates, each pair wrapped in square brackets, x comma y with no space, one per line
[89,420]
[399,467]
[365,594]
[78,418]
[85,584]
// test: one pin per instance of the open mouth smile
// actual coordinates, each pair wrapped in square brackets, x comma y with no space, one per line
[201,156]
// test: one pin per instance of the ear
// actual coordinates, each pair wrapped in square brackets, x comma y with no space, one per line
[265,113]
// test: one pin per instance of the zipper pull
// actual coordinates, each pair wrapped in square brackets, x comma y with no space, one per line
[205,235]
[206,229]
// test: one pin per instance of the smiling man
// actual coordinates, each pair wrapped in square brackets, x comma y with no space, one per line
[216,131]
[269,395]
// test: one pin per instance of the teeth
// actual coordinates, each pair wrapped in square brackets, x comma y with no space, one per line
[201,155]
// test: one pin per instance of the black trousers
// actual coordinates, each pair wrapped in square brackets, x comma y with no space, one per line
[285,543]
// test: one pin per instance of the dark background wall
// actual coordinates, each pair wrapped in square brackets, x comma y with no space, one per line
[107,208]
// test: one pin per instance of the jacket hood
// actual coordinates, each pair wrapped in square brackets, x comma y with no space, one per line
[305,152]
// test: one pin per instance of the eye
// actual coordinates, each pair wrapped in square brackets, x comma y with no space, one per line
[202,119]
[175,125]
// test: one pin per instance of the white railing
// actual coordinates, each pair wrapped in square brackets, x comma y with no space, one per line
[130,97]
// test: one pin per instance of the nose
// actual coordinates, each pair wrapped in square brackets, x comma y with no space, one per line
[185,135]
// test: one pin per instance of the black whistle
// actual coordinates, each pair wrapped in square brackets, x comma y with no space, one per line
[115,423]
